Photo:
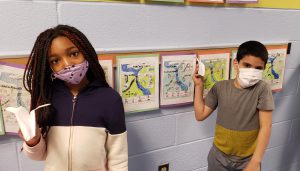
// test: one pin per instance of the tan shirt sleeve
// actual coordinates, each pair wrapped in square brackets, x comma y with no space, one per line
[37,152]
[211,100]
[265,99]
[117,152]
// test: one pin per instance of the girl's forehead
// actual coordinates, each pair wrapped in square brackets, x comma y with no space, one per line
[60,44]
[61,40]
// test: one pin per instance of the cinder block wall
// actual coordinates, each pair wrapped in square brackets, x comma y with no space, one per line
[167,135]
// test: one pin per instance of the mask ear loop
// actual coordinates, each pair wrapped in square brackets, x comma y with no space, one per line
[52,76]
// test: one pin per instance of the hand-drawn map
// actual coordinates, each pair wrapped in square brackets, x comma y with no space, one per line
[216,68]
[232,70]
[177,86]
[207,1]
[2,130]
[107,66]
[12,93]
[242,1]
[138,78]
[274,71]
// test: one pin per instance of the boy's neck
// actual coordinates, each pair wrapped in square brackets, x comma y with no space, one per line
[237,84]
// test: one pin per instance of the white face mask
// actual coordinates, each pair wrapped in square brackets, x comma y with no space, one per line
[249,76]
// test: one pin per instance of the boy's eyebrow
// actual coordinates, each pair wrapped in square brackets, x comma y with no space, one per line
[246,63]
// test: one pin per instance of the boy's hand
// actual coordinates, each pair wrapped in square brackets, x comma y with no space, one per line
[252,166]
[198,79]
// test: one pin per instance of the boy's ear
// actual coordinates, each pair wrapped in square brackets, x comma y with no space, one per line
[235,64]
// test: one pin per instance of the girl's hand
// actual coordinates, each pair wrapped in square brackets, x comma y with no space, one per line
[34,141]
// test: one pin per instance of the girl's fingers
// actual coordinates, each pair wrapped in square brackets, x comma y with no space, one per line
[21,135]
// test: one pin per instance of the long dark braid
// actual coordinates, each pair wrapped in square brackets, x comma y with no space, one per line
[37,76]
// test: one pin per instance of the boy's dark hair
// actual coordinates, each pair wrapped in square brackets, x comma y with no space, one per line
[253,48]
[37,76]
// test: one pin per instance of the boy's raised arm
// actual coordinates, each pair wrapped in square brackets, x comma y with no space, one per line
[201,110]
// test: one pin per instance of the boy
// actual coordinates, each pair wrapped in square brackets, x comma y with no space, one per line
[244,118]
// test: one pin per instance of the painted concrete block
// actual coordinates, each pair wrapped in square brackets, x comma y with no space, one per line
[201,169]
[280,134]
[189,129]
[193,155]
[26,163]
[184,157]
[8,157]
[286,108]
[290,83]
[292,152]
[295,130]
[273,159]
[136,26]
[21,23]
[293,60]
[151,134]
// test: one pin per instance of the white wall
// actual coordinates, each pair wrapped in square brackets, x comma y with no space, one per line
[167,135]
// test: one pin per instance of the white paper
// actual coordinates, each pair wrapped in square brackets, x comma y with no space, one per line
[138,82]
[26,120]
[12,93]
[107,66]
[201,70]
[176,85]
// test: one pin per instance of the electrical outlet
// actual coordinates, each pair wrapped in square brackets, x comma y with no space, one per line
[164,167]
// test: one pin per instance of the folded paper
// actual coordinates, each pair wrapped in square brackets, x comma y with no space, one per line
[201,70]
[26,120]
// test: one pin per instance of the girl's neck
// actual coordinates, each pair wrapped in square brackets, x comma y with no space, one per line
[76,88]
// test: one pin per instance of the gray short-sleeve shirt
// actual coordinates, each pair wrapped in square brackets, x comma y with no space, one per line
[238,108]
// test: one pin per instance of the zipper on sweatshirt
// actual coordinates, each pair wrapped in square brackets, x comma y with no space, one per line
[71,135]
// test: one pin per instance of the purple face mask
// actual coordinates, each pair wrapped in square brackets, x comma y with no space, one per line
[73,74]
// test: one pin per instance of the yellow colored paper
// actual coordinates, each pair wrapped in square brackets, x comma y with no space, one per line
[281,4]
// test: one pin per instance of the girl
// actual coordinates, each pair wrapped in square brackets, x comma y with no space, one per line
[84,127]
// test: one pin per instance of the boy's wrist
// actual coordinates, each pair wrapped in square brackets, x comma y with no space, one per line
[255,161]
[199,85]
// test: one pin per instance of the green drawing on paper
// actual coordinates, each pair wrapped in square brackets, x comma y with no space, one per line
[12,93]
[138,82]
[177,79]
[2,131]
[216,69]
[274,70]
[232,70]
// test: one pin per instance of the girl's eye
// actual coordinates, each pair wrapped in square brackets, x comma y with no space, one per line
[74,54]
[53,62]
